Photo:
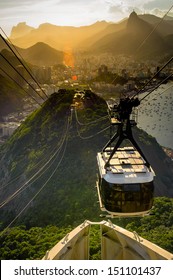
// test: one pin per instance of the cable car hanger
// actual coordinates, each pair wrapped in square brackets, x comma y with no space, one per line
[124,131]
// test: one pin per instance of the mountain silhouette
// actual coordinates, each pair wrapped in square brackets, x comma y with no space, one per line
[133,35]
[20,30]
[42,54]
[58,37]
[130,40]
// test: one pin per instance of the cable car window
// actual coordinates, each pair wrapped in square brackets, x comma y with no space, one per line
[131,187]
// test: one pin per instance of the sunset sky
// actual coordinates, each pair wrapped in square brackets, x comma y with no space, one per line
[76,12]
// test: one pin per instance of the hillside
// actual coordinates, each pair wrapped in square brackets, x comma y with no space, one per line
[164,27]
[58,37]
[130,39]
[10,97]
[48,166]
[102,36]
[39,54]
[111,28]
[42,54]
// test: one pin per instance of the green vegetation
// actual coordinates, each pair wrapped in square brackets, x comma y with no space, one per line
[10,97]
[157,227]
[53,203]
[22,243]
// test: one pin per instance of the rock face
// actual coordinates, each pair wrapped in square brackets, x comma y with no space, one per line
[20,30]
[48,166]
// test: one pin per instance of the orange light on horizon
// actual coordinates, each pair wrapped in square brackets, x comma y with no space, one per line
[74,77]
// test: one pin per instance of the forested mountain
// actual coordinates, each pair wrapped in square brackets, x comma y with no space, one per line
[49,167]
[11,97]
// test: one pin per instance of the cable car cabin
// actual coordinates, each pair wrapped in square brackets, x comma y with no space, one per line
[125,187]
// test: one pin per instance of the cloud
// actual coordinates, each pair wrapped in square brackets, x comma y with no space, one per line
[158,4]
[124,8]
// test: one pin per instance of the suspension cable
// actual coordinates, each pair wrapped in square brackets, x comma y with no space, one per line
[170,60]
[26,68]
[40,162]
[156,86]
[19,85]
[93,135]
[157,95]
[20,74]
[24,186]
[39,191]
[154,29]
[92,122]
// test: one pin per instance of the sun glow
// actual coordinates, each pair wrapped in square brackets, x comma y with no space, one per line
[68,57]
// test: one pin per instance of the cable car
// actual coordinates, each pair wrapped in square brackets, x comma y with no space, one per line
[125,181]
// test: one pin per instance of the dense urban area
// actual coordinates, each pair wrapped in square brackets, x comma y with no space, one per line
[105,74]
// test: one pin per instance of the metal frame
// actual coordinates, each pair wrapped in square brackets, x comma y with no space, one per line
[124,131]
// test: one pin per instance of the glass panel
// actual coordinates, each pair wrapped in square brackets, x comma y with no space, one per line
[131,187]
[127,198]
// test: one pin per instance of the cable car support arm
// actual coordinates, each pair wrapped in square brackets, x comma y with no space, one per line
[124,131]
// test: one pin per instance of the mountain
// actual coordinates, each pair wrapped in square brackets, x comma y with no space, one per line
[12,68]
[101,36]
[130,40]
[48,166]
[111,28]
[41,54]
[164,27]
[58,37]
[11,97]
[21,29]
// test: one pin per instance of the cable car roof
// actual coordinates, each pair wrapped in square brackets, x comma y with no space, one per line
[125,167]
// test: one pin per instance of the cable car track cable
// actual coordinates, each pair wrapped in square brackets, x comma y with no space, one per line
[50,177]
[20,86]
[92,122]
[156,96]
[20,75]
[25,185]
[13,179]
[26,68]
[154,76]
[156,87]
[153,29]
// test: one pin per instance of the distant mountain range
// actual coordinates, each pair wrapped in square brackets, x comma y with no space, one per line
[124,37]
[144,35]
[58,37]
[130,40]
